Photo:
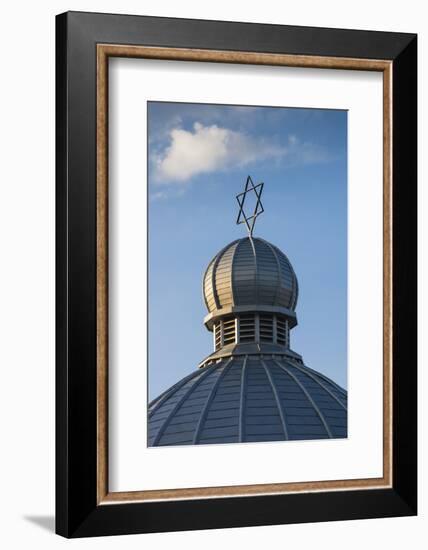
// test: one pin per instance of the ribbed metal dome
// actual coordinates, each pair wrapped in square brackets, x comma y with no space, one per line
[249,398]
[250,272]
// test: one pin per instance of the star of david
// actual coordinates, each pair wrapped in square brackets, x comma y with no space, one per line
[250,220]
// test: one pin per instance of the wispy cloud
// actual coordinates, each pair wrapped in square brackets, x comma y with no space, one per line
[206,149]
[209,148]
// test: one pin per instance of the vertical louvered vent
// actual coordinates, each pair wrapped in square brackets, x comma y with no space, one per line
[266,328]
[229,331]
[247,328]
[217,335]
[281,331]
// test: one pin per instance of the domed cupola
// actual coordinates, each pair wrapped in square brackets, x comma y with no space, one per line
[250,273]
[250,290]
[252,283]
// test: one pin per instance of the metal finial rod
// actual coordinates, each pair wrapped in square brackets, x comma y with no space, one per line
[258,209]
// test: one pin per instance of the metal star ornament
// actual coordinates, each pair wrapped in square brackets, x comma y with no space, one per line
[250,220]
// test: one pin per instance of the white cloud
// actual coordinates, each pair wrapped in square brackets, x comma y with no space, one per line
[208,149]
[211,148]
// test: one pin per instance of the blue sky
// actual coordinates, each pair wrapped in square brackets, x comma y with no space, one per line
[199,158]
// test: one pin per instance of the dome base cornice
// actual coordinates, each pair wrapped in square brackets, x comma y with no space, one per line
[215,315]
[236,350]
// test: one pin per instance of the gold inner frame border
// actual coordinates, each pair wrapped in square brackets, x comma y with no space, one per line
[104,52]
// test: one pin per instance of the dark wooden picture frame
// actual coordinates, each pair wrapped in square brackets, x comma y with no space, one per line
[84,505]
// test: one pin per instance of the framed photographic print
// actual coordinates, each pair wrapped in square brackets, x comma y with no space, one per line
[236,274]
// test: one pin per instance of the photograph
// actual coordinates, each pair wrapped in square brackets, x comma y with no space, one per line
[235,303]
[247,273]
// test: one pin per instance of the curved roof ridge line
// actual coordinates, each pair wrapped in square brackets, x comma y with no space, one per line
[308,395]
[241,417]
[179,403]
[275,253]
[158,401]
[327,379]
[232,286]
[277,399]
[210,398]
[214,272]
[203,283]
[256,271]
[295,282]
[311,375]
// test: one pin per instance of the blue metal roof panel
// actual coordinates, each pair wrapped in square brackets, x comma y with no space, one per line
[249,398]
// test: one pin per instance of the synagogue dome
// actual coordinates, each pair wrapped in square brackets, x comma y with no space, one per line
[249,398]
